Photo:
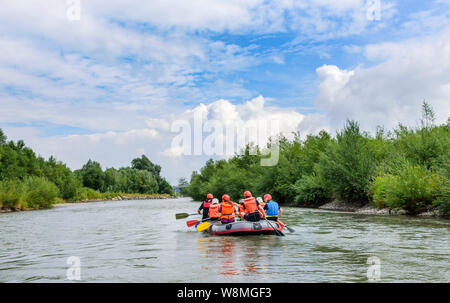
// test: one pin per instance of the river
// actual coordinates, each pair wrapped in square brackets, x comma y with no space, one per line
[140,241]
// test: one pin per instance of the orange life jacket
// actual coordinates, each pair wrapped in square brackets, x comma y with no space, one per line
[250,205]
[227,210]
[214,211]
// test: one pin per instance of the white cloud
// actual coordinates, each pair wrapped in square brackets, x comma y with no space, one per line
[250,111]
[327,19]
[392,90]
[333,80]
[175,151]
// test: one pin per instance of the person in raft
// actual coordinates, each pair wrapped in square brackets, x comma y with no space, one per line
[227,210]
[214,210]
[241,211]
[252,209]
[273,210]
[262,204]
[205,206]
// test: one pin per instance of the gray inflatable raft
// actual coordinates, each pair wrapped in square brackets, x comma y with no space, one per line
[261,227]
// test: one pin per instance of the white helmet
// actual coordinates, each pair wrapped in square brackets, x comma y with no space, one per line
[259,199]
[215,201]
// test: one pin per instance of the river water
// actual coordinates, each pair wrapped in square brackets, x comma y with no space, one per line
[140,241]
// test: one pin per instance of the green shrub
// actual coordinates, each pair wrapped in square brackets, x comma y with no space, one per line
[310,190]
[349,164]
[442,192]
[11,193]
[413,188]
[86,193]
[39,192]
[443,201]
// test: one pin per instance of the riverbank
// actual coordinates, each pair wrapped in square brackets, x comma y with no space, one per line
[120,197]
[129,197]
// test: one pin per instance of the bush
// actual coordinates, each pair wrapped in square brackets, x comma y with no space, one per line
[413,188]
[86,193]
[349,165]
[442,193]
[39,192]
[311,190]
[443,202]
[11,193]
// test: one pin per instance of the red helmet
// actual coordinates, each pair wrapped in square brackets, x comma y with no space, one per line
[267,197]
[247,194]
[209,196]
[226,198]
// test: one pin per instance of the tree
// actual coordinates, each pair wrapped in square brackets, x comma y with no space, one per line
[349,165]
[144,163]
[428,116]
[2,138]
[183,185]
[92,175]
[164,187]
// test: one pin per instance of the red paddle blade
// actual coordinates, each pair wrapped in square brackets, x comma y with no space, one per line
[192,222]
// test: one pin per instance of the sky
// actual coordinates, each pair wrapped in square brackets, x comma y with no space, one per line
[107,80]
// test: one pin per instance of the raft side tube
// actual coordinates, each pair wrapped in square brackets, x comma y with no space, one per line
[261,227]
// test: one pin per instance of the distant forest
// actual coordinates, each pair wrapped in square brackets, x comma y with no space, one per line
[30,181]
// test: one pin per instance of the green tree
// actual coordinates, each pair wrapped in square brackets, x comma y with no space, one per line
[2,137]
[183,185]
[92,175]
[144,163]
[349,165]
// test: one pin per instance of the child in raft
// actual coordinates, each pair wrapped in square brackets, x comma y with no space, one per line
[227,210]
[214,210]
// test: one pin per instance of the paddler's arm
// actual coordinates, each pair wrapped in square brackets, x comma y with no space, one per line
[263,213]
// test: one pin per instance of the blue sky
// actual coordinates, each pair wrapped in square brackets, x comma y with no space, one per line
[108,85]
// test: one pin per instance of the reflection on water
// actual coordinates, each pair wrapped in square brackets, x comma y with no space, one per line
[243,256]
[140,241]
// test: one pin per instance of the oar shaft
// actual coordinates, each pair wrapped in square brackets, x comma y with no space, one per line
[277,232]
[184,215]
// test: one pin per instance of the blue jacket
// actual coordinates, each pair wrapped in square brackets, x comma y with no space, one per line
[272,209]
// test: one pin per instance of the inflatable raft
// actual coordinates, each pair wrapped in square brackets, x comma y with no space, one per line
[244,228]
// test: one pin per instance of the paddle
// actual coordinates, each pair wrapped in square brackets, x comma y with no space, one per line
[203,226]
[196,222]
[192,222]
[291,230]
[277,232]
[183,215]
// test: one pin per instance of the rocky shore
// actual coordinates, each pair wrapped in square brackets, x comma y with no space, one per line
[120,198]
[369,209]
